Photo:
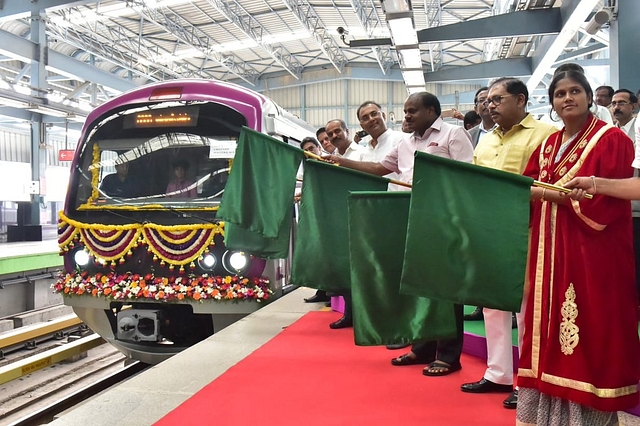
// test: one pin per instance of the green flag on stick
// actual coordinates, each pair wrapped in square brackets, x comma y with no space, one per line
[381,315]
[467,235]
[238,238]
[258,198]
[321,255]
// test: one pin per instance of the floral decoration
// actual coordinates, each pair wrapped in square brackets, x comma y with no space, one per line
[149,287]
[175,245]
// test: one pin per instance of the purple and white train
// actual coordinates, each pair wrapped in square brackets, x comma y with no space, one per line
[145,262]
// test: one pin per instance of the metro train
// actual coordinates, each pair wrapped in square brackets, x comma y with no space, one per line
[145,265]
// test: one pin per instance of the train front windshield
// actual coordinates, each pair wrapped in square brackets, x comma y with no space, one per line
[171,155]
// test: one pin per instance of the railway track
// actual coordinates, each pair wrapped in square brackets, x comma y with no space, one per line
[53,376]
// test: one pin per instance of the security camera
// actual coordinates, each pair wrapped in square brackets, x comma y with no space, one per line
[342,31]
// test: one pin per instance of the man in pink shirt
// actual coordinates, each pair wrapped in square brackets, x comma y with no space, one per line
[429,133]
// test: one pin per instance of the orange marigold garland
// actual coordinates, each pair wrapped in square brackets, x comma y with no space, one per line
[150,287]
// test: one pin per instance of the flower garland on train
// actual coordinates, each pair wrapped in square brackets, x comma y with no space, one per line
[167,289]
[175,245]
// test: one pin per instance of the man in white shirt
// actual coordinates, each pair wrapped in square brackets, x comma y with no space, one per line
[487,124]
[623,105]
[338,134]
[383,139]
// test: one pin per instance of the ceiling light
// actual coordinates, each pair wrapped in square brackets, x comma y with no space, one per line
[12,103]
[396,6]
[415,89]
[402,32]
[47,111]
[413,78]
[410,58]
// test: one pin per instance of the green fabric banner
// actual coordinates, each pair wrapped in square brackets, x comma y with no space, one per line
[467,235]
[381,315]
[259,193]
[238,238]
[321,249]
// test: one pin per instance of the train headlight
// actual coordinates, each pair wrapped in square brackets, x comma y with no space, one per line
[235,262]
[81,258]
[208,262]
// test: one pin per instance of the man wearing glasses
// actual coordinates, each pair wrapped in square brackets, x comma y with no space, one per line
[508,148]
[487,125]
[623,105]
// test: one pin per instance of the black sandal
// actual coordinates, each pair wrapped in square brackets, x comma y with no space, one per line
[407,360]
[444,369]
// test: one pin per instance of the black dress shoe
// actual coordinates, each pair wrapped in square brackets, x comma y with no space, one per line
[317,298]
[485,386]
[343,322]
[476,315]
[512,401]
[398,346]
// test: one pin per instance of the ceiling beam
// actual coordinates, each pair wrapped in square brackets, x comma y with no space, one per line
[588,50]
[514,67]
[574,14]
[193,36]
[14,9]
[516,24]
[309,19]
[236,14]
[27,51]
[370,21]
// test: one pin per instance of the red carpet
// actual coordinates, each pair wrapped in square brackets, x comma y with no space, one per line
[312,375]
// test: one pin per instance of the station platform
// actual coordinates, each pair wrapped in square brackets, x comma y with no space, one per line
[29,256]
[27,270]
[156,395]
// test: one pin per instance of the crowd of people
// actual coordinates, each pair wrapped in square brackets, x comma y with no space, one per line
[578,323]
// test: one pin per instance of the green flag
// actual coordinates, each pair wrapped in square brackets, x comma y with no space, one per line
[238,238]
[259,193]
[467,235]
[381,315]
[321,254]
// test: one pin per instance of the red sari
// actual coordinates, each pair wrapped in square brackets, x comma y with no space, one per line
[581,337]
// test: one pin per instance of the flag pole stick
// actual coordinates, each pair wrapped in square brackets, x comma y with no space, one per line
[556,188]
[317,157]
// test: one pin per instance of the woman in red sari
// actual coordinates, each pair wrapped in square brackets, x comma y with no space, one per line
[581,353]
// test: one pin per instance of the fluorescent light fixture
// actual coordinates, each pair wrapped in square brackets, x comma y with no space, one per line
[402,32]
[47,111]
[413,78]
[396,6]
[13,103]
[409,58]
[415,89]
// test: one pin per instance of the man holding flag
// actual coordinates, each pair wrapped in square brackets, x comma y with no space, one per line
[338,134]
[508,147]
[429,133]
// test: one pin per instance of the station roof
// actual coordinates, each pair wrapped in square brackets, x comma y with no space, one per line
[96,49]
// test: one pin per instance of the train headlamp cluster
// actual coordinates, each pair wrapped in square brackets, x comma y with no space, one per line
[235,262]
[207,262]
[81,258]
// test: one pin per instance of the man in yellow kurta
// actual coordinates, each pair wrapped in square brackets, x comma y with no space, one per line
[508,148]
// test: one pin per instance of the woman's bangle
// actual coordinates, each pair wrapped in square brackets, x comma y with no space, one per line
[543,191]
[593,181]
